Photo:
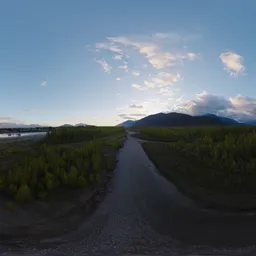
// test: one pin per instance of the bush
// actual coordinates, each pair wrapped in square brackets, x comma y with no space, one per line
[78,134]
[44,168]
[10,205]
[23,194]
[228,153]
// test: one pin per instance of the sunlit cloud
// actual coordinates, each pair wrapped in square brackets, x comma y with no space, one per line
[109,46]
[240,107]
[44,83]
[139,87]
[158,58]
[233,63]
[117,57]
[163,79]
[136,106]
[123,66]
[158,53]
[132,116]
[166,91]
[135,73]
[106,67]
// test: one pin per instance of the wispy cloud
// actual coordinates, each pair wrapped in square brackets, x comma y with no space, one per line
[44,83]
[29,110]
[117,57]
[233,63]
[123,66]
[8,119]
[109,46]
[162,51]
[136,106]
[139,87]
[158,58]
[166,91]
[163,79]
[131,116]
[135,73]
[107,68]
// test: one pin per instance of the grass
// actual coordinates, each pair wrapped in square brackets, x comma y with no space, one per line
[67,159]
[214,165]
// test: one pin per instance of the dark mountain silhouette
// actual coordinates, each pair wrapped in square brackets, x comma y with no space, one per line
[66,125]
[178,119]
[223,119]
[127,123]
[251,122]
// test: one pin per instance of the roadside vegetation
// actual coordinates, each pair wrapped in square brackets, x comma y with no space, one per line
[68,158]
[214,161]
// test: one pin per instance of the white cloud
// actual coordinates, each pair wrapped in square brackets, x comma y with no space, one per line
[118,78]
[117,57]
[166,91]
[109,46]
[163,79]
[233,63]
[44,83]
[131,116]
[123,66]
[7,119]
[135,73]
[168,35]
[180,99]
[136,106]
[152,51]
[107,68]
[240,107]
[29,110]
[138,87]
[193,56]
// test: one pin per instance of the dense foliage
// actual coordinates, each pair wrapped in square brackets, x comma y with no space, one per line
[225,157]
[44,166]
[78,134]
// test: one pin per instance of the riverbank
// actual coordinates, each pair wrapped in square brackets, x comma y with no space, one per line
[26,136]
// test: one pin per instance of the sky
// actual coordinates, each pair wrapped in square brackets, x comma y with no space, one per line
[103,62]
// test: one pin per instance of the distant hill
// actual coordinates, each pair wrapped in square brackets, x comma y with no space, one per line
[66,125]
[250,122]
[178,119]
[81,124]
[127,123]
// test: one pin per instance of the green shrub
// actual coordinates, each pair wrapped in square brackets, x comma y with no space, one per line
[23,194]
[10,205]
[44,167]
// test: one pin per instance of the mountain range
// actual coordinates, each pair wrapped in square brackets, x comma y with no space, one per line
[179,119]
[160,119]
[21,125]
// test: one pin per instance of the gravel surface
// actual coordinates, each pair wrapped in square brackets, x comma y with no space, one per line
[144,214]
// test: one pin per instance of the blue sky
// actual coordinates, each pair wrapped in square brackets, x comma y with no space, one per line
[101,62]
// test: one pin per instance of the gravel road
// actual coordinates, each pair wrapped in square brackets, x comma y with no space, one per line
[144,214]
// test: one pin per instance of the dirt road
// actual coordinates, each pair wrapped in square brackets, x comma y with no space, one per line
[143,213]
